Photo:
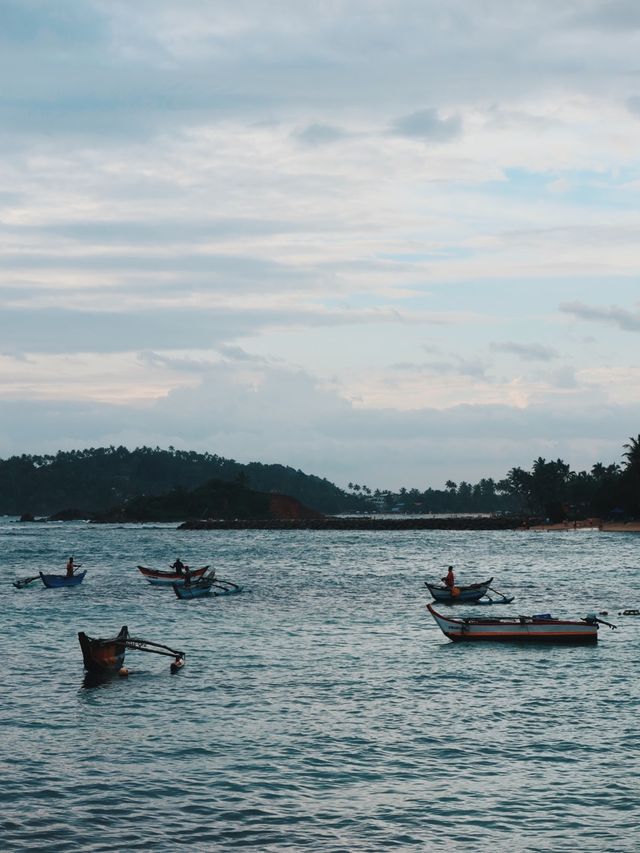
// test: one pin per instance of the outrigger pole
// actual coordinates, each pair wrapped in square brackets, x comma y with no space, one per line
[140,645]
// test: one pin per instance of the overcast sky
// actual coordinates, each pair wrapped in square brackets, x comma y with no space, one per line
[392,242]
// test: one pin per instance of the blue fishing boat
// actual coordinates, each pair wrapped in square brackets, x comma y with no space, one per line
[206,586]
[55,581]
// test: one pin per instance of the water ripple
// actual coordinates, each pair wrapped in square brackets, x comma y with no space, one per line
[322,711]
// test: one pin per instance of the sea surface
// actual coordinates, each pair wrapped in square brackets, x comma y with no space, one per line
[322,709]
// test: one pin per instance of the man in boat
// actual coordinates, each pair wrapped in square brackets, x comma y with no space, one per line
[178,565]
[70,567]
[187,576]
[449,579]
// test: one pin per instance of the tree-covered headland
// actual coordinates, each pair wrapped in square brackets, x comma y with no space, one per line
[99,479]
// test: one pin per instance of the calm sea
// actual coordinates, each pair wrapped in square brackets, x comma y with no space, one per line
[322,709]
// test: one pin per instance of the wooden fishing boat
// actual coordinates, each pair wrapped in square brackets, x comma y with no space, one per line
[206,586]
[105,657]
[55,581]
[160,578]
[543,628]
[193,590]
[458,594]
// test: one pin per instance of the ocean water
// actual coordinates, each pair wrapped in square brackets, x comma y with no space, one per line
[322,709]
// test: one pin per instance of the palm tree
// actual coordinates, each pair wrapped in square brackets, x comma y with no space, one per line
[632,452]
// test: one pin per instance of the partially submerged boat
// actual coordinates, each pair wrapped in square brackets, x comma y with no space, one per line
[458,594]
[103,657]
[206,586]
[55,581]
[541,628]
[159,578]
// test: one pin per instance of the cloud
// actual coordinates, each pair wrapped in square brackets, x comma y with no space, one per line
[628,321]
[633,103]
[428,125]
[320,134]
[265,413]
[527,352]
[456,366]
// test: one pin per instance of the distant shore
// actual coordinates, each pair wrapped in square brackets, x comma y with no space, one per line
[413,523]
[589,524]
[357,523]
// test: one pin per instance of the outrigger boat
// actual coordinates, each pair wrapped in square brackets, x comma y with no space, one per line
[543,628]
[206,586]
[55,581]
[105,657]
[160,578]
[466,594]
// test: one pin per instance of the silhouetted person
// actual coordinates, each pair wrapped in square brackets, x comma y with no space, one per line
[70,567]
[178,566]
[449,579]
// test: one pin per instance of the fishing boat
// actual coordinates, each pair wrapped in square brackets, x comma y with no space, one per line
[458,594]
[159,578]
[206,586]
[542,628]
[55,581]
[105,657]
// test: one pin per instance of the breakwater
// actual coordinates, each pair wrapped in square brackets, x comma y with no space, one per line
[357,523]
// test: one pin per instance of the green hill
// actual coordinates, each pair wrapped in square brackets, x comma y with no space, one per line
[98,479]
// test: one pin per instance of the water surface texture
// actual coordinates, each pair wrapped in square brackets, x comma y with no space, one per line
[322,709]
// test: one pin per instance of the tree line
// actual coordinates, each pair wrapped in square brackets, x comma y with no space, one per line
[98,479]
[550,490]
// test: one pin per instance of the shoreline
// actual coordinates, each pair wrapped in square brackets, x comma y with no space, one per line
[414,523]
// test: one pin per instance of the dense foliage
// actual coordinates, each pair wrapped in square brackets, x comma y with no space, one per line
[98,479]
[551,490]
[215,499]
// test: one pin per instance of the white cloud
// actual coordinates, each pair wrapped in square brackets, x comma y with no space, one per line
[197,194]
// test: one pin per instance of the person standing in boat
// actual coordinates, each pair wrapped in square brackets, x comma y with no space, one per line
[187,576]
[178,565]
[449,579]
[70,567]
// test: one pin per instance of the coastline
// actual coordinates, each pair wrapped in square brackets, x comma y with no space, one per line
[374,523]
[590,524]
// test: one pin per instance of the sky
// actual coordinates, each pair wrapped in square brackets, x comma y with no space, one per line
[391,242]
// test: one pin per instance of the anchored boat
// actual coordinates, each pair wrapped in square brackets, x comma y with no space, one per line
[105,657]
[160,578]
[55,581]
[206,586]
[542,628]
[458,594]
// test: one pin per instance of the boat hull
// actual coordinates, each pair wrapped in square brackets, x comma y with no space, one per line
[206,587]
[194,590]
[103,657]
[528,629]
[160,578]
[56,581]
[464,594]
